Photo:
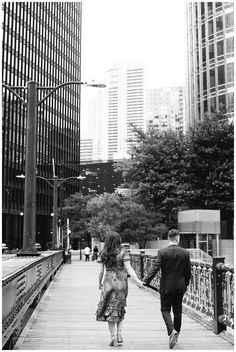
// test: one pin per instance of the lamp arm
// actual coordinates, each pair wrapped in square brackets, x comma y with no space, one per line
[60,182]
[56,88]
[45,180]
[14,93]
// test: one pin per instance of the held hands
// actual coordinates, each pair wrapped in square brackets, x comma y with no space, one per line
[140,285]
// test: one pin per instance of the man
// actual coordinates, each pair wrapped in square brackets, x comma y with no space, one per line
[175,266]
[87,253]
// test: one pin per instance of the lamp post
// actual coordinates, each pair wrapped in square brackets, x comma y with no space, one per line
[29,232]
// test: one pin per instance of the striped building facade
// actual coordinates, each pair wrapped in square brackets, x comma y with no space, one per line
[41,41]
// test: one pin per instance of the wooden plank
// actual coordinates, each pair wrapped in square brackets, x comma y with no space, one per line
[65,319]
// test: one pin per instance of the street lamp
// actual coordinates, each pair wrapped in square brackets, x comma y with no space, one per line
[55,183]
[31,102]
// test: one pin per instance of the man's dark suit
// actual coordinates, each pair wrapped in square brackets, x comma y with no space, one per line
[175,266]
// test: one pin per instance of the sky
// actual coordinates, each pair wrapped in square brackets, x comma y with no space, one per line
[151,30]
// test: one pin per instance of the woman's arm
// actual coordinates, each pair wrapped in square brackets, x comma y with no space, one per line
[132,273]
[100,276]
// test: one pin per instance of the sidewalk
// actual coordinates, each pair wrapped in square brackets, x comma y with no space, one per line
[65,318]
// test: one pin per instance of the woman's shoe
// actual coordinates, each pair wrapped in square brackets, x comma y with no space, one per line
[119,338]
[113,343]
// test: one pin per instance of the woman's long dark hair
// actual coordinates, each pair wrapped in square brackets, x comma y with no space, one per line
[112,247]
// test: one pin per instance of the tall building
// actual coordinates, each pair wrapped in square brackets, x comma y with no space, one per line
[210,59]
[125,89]
[86,150]
[41,41]
[96,125]
[165,108]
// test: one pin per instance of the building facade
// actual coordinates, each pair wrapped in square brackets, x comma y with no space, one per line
[41,42]
[165,108]
[210,59]
[125,103]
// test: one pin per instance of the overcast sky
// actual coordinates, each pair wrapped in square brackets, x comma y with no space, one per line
[115,30]
[151,30]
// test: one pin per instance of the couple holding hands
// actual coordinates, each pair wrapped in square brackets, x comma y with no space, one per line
[114,261]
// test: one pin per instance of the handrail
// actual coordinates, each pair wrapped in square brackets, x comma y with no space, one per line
[211,288]
[22,287]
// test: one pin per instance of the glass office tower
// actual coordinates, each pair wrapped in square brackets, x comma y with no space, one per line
[41,41]
[210,59]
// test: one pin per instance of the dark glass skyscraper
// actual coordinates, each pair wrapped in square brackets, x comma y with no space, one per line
[41,41]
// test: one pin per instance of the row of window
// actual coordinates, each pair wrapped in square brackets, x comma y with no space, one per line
[218,76]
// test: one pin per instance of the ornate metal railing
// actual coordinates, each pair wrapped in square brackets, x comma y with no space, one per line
[22,288]
[211,289]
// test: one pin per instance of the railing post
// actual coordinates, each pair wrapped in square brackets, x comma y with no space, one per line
[218,301]
[142,253]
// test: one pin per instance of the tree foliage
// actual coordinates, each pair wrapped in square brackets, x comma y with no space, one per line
[130,219]
[170,171]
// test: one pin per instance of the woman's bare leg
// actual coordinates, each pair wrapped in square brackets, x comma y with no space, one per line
[119,331]
[112,329]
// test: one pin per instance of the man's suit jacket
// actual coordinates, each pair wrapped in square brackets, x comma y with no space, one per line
[175,266]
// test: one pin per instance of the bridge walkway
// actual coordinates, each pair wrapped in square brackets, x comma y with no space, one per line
[65,318]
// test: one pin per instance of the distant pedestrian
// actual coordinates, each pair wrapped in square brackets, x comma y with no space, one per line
[95,252]
[87,253]
[175,266]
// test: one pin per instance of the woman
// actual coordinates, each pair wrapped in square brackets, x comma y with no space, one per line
[114,286]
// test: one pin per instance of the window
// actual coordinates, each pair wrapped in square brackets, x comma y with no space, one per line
[222,102]
[202,8]
[209,6]
[230,44]
[220,48]
[210,27]
[229,20]
[221,75]
[213,104]
[204,81]
[203,54]
[212,78]
[230,72]
[203,31]
[218,4]
[230,107]
[211,51]
[219,24]
[205,105]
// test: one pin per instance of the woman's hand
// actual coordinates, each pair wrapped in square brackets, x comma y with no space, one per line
[100,286]
[140,285]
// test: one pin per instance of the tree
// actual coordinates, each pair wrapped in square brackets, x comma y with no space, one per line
[114,212]
[75,208]
[105,214]
[139,225]
[157,171]
[170,171]
[211,157]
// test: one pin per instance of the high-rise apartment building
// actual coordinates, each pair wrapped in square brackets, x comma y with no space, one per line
[210,59]
[41,41]
[125,89]
[165,108]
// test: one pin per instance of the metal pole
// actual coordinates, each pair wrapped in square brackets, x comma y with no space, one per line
[29,232]
[55,199]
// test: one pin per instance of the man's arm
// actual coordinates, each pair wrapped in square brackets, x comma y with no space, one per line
[154,270]
[188,271]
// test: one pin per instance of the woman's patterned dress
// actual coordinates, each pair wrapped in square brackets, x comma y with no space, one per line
[114,291]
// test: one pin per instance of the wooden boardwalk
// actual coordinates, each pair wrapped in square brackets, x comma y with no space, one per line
[65,318]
